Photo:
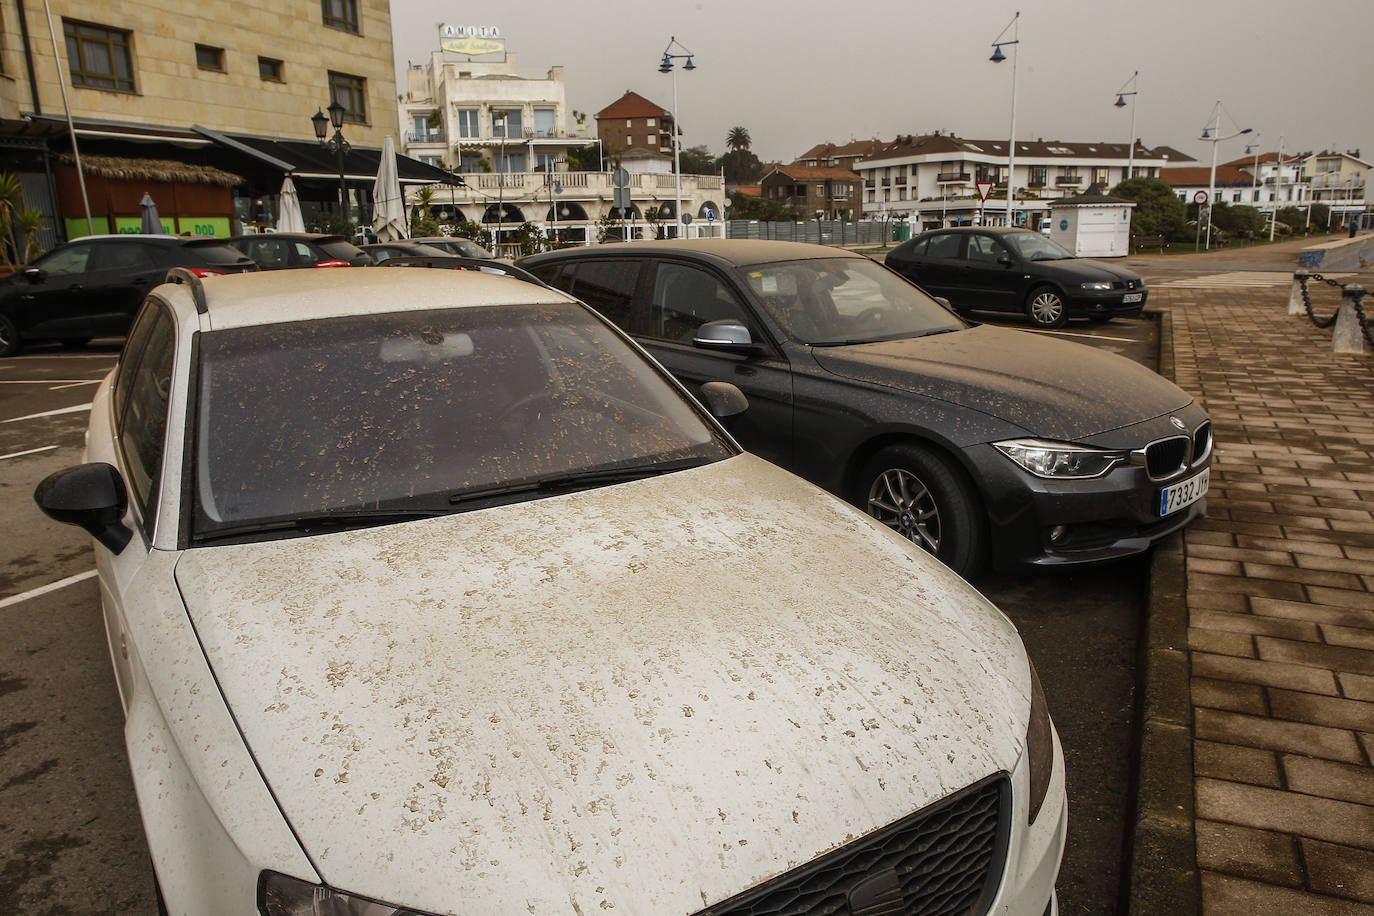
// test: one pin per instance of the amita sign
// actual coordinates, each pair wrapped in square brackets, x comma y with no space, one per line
[471,40]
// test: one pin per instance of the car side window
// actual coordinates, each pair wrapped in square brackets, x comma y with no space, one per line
[142,421]
[70,260]
[134,344]
[607,286]
[918,248]
[126,256]
[687,297]
[984,249]
[944,246]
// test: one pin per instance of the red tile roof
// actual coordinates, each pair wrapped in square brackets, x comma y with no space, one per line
[631,105]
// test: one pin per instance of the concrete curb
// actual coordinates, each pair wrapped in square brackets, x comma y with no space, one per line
[1161,873]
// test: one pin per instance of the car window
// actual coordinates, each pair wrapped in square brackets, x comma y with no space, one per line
[338,248]
[917,247]
[142,424]
[271,254]
[984,249]
[686,297]
[945,245]
[65,261]
[424,410]
[215,253]
[123,256]
[1033,246]
[607,286]
[829,301]
[134,345]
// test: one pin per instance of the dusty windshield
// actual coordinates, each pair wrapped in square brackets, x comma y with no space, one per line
[831,301]
[1032,246]
[421,410]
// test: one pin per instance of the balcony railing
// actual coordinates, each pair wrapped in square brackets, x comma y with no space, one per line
[952,176]
[424,136]
[887,182]
[869,182]
[1064,180]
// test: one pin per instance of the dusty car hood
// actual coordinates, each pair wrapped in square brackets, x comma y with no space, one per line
[1082,270]
[596,700]
[1048,387]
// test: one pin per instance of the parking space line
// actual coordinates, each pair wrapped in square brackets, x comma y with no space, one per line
[1084,336]
[49,413]
[44,589]
[64,387]
[50,381]
[32,451]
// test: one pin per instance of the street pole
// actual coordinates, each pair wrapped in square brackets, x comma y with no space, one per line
[1278,191]
[997,57]
[677,164]
[1130,141]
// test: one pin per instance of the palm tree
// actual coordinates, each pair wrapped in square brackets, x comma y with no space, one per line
[738,138]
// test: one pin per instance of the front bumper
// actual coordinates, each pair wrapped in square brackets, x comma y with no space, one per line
[1087,303]
[1039,522]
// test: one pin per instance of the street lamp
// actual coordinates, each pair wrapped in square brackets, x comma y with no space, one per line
[500,121]
[1254,178]
[1212,134]
[1278,190]
[997,57]
[1128,88]
[339,146]
[667,67]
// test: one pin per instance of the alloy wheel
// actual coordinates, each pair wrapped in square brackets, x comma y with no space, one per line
[901,501]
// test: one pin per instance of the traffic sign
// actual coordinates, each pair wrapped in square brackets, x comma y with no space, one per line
[1199,197]
[710,215]
[686,219]
[984,189]
[621,200]
[620,178]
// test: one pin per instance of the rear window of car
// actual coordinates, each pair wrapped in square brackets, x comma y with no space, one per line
[943,246]
[344,250]
[418,410]
[217,252]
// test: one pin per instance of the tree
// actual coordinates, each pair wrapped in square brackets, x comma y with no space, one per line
[585,159]
[422,221]
[1237,220]
[1292,217]
[741,167]
[1158,211]
[762,208]
[738,138]
[697,160]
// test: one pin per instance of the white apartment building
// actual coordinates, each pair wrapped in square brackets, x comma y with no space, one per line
[933,179]
[1338,180]
[509,138]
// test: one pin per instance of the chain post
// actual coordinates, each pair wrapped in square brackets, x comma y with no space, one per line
[1347,338]
[1297,296]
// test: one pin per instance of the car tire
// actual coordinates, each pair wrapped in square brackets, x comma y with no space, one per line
[10,343]
[924,497]
[1045,307]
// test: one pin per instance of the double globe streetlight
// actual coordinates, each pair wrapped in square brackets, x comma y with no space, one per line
[340,147]
[669,55]
[1212,134]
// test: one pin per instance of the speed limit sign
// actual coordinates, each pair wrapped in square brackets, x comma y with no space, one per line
[1199,197]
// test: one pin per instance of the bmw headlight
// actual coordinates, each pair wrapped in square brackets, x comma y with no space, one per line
[279,895]
[1096,286]
[1040,747]
[1059,460]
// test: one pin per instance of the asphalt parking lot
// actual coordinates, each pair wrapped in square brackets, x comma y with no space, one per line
[70,839]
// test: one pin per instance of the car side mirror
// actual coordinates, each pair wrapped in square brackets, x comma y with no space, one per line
[91,497]
[33,274]
[725,334]
[1006,260]
[724,400]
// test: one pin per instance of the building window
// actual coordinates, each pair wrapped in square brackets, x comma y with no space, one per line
[436,161]
[547,162]
[470,162]
[270,70]
[1038,175]
[841,191]
[1100,178]
[350,92]
[507,123]
[99,56]
[469,123]
[543,122]
[652,141]
[340,14]
[210,58]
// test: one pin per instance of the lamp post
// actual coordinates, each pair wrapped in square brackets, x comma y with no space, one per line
[997,57]
[667,67]
[500,180]
[1212,134]
[1278,190]
[339,146]
[1128,88]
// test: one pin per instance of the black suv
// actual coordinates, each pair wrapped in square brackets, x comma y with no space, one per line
[91,287]
[283,250]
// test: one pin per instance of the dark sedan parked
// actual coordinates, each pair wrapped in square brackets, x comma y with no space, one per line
[1016,270]
[91,287]
[962,438]
[285,250]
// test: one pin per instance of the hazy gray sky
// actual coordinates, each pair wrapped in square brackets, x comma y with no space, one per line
[801,72]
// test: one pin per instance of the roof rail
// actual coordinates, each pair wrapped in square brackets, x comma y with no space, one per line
[182,275]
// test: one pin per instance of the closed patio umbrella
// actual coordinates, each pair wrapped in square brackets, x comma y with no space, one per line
[152,223]
[289,217]
[389,210]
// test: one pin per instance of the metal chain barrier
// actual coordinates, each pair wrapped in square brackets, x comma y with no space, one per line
[1354,293]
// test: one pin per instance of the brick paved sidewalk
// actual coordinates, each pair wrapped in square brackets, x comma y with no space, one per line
[1280,596]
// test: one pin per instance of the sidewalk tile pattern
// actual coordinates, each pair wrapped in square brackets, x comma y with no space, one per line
[1280,593]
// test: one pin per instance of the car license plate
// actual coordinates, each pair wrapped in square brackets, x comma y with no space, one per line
[1171,499]
[1132,297]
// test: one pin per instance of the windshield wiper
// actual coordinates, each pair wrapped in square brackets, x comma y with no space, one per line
[574,479]
[338,518]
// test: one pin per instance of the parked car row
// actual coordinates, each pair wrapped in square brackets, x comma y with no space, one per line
[429,591]
[92,286]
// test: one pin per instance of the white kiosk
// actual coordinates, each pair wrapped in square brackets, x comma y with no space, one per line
[1092,225]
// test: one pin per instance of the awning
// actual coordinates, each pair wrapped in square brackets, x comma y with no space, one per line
[306,159]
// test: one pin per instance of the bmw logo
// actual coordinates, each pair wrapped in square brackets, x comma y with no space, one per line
[1177,422]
